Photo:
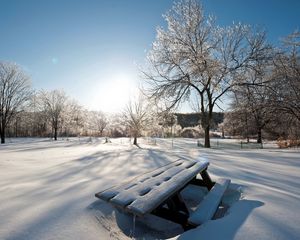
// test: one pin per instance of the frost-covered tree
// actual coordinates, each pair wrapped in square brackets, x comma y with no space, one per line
[116,126]
[167,120]
[53,104]
[135,117]
[15,90]
[252,110]
[285,84]
[38,122]
[99,122]
[252,98]
[72,118]
[194,56]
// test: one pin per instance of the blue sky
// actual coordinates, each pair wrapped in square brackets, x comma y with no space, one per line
[91,48]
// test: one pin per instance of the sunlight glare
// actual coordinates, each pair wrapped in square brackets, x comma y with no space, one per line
[115,93]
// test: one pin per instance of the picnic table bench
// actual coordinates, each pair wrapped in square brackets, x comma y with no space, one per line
[158,192]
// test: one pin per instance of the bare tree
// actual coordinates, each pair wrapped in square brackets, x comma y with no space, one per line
[286,77]
[53,103]
[72,118]
[167,120]
[99,121]
[135,117]
[252,109]
[252,98]
[15,90]
[116,126]
[196,57]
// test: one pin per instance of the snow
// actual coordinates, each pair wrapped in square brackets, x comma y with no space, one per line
[47,190]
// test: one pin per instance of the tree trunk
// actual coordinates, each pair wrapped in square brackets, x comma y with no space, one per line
[206,137]
[55,133]
[2,137]
[205,124]
[259,136]
[2,132]
[247,128]
[135,140]
[16,128]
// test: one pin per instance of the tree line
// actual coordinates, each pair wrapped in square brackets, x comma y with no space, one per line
[25,112]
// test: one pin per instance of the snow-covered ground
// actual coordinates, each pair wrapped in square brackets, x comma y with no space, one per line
[47,189]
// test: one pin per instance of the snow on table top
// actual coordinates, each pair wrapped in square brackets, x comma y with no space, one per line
[147,191]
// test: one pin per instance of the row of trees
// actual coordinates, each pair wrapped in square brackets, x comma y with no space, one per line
[52,114]
[25,112]
[28,113]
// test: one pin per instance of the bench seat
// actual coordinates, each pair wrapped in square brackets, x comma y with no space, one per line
[145,193]
[209,205]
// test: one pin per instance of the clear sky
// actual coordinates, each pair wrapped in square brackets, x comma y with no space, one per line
[91,48]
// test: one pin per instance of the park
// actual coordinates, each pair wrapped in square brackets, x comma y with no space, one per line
[149,120]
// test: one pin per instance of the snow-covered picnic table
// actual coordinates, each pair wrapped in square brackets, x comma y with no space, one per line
[158,191]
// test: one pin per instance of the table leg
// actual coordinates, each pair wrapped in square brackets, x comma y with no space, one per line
[176,210]
[206,179]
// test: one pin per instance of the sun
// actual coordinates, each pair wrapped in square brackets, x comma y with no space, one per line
[114,93]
